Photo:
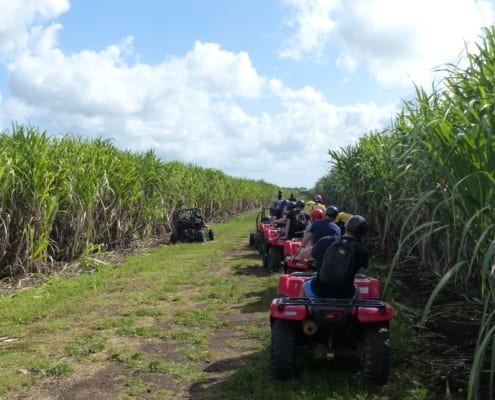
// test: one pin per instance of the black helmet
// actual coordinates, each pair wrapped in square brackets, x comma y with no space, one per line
[300,204]
[356,225]
[291,205]
[332,212]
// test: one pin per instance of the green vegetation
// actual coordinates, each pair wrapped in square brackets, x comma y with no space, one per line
[64,198]
[427,185]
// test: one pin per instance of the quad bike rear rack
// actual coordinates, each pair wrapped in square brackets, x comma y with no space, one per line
[341,303]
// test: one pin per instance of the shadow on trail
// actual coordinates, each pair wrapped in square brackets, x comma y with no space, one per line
[252,270]
[248,377]
[259,299]
[253,254]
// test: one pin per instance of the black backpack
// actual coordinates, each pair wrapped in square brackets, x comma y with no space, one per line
[337,267]
[300,221]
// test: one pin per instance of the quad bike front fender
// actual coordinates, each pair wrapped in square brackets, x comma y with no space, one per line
[375,314]
[290,312]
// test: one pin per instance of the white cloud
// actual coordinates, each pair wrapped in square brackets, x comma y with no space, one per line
[222,72]
[397,41]
[187,108]
[18,17]
[314,27]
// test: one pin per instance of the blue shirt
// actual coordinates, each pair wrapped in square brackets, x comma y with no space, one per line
[319,248]
[323,227]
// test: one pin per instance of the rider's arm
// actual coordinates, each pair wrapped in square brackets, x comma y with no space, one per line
[306,239]
[280,220]
[287,228]
[304,254]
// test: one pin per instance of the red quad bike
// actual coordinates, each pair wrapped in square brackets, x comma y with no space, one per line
[273,248]
[291,249]
[330,328]
[256,237]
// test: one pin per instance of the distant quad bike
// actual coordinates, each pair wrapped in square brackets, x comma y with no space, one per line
[190,227]
[330,328]
[262,223]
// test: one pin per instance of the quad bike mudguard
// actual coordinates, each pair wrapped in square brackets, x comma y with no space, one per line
[368,307]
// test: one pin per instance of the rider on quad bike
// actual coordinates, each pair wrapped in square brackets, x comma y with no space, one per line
[293,247]
[333,279]
[296,221]
[333,313]
[322,227]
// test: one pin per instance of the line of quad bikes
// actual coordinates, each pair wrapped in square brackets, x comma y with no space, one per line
[320,328]
[324,328]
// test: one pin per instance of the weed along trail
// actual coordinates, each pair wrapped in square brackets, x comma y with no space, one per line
[184,321]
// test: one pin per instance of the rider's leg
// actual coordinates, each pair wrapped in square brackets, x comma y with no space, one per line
[306,290]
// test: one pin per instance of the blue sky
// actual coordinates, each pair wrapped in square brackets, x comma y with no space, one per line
[257,89]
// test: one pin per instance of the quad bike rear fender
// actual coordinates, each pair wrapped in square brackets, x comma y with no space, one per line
[291,247]
[293,312]
[263,226]
[375,314]
[365,311]
[271,233]
[290,284]
[369,288]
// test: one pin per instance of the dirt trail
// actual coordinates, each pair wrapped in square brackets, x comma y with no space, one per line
[230,348]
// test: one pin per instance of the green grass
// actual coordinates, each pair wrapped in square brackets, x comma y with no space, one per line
[84,346]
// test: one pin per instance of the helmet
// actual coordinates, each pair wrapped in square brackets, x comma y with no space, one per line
[332,212]
[318,198]
[291,205]
[356,225]
[300,204]
[317,214]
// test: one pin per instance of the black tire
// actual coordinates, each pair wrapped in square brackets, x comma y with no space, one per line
[283,349]
[274,258]
[200,236]
[174,238]
[264,257]
[261,245]
[211,234]
[252,238]
[375,357]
